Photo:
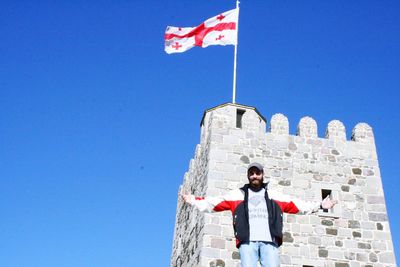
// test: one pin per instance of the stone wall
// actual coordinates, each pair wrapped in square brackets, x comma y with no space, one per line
[355,233]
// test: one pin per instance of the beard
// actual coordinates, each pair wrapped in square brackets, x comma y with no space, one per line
[256,184]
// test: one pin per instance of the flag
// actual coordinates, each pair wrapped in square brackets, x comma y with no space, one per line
[218,30]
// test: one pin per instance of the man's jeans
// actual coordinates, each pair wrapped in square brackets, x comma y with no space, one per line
[267,253]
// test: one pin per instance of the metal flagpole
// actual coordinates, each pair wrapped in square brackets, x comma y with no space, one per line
[235,56]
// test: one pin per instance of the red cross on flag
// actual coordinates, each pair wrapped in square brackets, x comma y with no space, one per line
[218,30]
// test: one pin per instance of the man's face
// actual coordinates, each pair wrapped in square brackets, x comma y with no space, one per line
[255,177]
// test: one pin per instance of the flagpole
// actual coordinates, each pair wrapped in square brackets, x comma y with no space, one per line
[235,57]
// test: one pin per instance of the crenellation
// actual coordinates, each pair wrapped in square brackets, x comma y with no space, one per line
[279,124]
[336,131]
[307,128]
[355,233]
[363,133]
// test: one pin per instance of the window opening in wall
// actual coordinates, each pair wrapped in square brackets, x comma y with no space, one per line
[325,193]
[239,117]
[308,266]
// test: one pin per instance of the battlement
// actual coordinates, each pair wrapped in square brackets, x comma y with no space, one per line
[355,233]
[279,124]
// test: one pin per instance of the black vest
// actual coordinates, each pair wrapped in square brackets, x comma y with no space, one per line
[241,219]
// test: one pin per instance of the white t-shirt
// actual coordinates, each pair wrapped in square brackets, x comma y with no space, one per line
[258,217]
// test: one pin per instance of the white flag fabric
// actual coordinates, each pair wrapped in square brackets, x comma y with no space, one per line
[218,30]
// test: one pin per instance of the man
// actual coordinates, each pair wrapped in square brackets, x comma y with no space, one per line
[257,216]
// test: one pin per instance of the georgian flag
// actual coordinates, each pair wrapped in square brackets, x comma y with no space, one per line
[218,30]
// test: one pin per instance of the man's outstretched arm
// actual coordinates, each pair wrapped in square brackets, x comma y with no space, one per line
[202,204]
[213,204]
[295,205]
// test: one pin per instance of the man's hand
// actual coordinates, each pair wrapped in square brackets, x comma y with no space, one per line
[328,203]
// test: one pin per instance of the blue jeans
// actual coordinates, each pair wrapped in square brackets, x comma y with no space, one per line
[266,253]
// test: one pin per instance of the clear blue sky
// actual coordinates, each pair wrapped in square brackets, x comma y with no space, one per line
[98,124]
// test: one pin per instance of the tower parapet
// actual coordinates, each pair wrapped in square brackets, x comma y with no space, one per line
[362,132]
[279,124]
[336,131]
[355,233]
[307,128]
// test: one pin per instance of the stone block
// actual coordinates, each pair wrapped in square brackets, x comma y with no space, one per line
[352,181]
[342,264]
[327,222]
[226,220]
[235,255]
[290,218]
[322,253]
[328,241]
[217,243]
[368,190]
[306,228]
[353,224]
[355,264]
[378,245]
[356,234]
[295,228]
[362,257]
[233,263]
[375,200]
[304,220]
[381,235]
[377,217]
[210,253]
[287,237]
[231,245]
[345,188]
[341,223]
[350,255]
[291,250]
[331,231]
[373,257]
[285,183]
[386,257]
[336,254]
[347,197]
[315,240]
[350,244]
[301,240]
[362,245]
[301,183]
[212,229]
[350,205]
[368,225]
[339,243]
[319,230]
[285,259]
[227,231]
[367,234]
[218,155]
[217,263]
[368,172]
[207,241]
[304,251]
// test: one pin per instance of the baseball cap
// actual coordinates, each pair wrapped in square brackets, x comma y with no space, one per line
[256,165]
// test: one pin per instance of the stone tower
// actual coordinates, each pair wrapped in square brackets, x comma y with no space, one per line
[355,233]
